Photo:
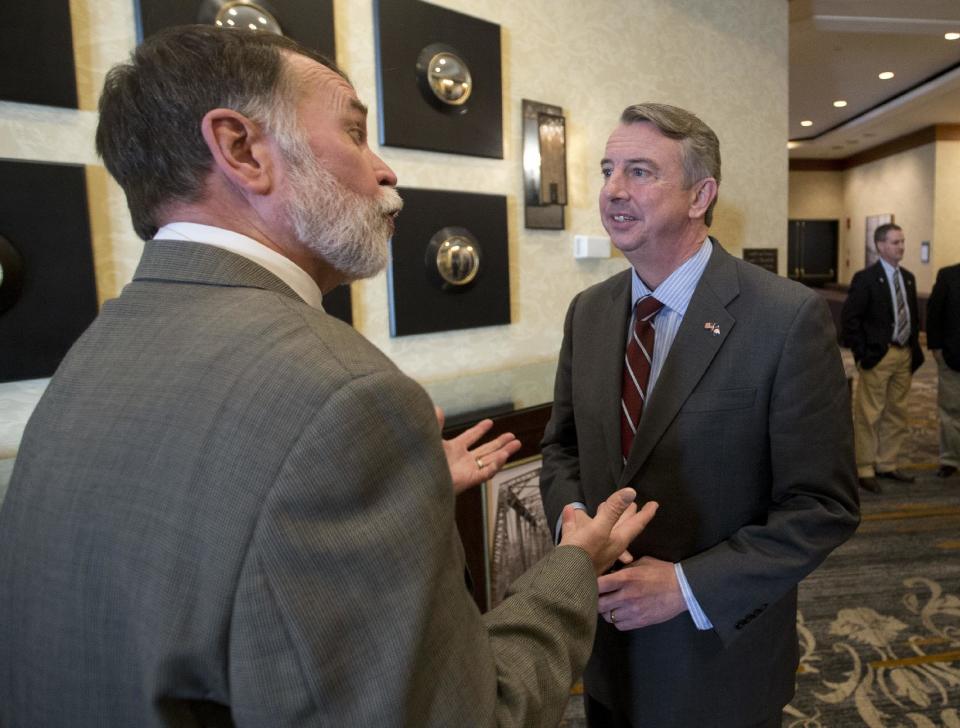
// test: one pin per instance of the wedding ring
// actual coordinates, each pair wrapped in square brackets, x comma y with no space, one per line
[479,464]
[613,616]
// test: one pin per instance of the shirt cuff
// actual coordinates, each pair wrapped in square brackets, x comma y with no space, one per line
[696,612]
[556,534]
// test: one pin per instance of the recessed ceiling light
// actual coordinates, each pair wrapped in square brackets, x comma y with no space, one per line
[806,122]
[792,145]
[952,36]
[839,103]
[886,75]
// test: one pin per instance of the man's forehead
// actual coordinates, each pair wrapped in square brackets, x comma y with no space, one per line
[324,81]
[638,139]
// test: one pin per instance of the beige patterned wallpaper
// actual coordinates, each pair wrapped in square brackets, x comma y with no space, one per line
[725,61]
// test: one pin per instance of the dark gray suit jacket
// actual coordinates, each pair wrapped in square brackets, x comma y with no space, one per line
[746,442]
[230,508]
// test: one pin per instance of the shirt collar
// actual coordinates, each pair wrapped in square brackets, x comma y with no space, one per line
[282,267]
[677,289]
[890,269]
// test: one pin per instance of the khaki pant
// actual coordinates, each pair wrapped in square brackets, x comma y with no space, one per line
[880,412]
[948,406]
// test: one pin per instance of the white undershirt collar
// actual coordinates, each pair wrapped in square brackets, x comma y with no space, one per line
[282,267]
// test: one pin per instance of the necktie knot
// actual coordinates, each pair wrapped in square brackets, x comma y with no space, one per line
[647,307]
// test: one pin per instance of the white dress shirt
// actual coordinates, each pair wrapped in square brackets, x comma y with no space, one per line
[282,267]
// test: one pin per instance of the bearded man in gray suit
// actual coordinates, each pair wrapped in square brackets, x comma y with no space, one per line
[229,508]
[723,397]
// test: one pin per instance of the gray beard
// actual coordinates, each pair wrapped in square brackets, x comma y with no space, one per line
[348,231]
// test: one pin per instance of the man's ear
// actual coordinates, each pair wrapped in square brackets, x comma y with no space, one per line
[241,151]
[705,192]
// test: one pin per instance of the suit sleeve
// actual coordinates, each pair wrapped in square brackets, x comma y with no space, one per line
[935,311]
[351,608]
[855,307]
[814,504]
[560,474]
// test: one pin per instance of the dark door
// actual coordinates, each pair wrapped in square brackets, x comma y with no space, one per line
[812,251]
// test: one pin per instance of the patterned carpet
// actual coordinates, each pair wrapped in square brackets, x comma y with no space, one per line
[880,620]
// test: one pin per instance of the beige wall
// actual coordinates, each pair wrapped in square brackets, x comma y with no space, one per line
[725,61]
[945,246]
[919,186]
[904,185]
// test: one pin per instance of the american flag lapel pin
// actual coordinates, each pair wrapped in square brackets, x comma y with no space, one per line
[711,326]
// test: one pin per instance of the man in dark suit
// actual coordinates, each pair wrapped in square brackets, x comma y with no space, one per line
[229,508]
[738,381]
[880,324]
[943,339]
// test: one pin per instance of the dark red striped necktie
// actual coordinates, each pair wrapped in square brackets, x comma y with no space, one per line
[636,371]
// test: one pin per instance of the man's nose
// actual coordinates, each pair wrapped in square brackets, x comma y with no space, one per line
[385,176]
[613,187]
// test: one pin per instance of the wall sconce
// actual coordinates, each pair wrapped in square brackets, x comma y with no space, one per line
[544,166]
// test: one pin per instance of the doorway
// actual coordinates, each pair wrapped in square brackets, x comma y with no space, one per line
[812,247]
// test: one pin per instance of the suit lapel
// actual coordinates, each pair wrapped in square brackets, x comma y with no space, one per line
[610,373]
[883,286]
[693,349]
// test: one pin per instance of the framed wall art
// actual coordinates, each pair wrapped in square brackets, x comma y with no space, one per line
[438,79]
[449,265]
[870,255]
[309,22]
[48,293]
[518,532]
[36,54]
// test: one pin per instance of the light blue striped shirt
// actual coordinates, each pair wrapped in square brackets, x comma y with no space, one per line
[674,293]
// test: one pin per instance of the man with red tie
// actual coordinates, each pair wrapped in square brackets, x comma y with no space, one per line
[707,384]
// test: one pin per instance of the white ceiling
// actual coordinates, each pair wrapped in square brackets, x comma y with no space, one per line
[837,50]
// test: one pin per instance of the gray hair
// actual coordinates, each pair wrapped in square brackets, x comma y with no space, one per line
[151,109]
[699,146]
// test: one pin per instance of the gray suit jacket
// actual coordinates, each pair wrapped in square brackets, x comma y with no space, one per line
[231,509]
[746,442]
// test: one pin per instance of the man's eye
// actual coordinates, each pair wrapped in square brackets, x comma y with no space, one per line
[639,172]
[606,172]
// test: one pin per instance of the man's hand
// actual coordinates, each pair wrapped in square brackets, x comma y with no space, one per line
[644,593]
[471,467]
[607,535]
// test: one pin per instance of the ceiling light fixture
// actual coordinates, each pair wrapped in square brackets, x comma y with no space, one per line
[806,122]
[885,76]
[839,103]
[952,36]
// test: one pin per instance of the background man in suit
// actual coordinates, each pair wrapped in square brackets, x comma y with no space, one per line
[879,323]
[943,339]
[229,508]
[743,385]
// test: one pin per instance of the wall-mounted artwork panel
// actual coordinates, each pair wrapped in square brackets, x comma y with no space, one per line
[36,53]
[449,264]
[48,293]
[309,22]
[438,79]
[339,304]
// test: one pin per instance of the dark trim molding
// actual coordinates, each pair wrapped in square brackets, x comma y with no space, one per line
[927,135]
